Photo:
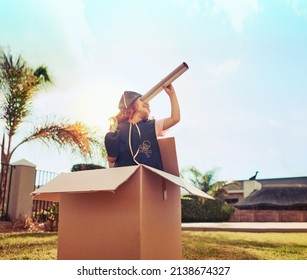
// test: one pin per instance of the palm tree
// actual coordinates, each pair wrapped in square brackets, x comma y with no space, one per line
[18,86]
[199,179]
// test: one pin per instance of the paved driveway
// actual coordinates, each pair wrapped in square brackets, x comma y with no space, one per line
[251,227]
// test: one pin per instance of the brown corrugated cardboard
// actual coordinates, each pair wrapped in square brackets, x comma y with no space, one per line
[134,222]
[120,213]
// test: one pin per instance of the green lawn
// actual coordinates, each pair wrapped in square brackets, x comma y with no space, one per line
[28,246]
[197,245]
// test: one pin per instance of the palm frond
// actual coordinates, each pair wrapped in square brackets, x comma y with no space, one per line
[199,179]
[18,84]
[76,136]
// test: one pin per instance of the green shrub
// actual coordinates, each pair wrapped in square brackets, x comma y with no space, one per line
[227,210]
[194,209]
[191,210]
[85,166]
[49,216]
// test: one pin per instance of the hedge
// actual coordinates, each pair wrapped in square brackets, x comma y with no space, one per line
[85,166]
[194,209]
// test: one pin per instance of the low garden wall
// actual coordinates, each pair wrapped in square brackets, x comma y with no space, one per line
[268,216]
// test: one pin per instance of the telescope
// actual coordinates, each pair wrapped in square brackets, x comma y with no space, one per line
[165,82]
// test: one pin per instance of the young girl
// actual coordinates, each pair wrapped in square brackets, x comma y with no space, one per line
[135,140]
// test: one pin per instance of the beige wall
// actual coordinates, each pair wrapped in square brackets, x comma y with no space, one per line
[250,186]
[22,184]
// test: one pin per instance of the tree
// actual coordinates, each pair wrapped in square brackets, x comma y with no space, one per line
[201,180]
[19,84]
[195,209]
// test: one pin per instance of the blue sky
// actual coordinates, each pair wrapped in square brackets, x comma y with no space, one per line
[243,100]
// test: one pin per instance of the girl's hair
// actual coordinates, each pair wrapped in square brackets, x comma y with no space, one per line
[122,116]
[125,114]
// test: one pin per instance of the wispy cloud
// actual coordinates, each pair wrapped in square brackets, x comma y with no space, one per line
[299,7]
[223,68]
[237,11]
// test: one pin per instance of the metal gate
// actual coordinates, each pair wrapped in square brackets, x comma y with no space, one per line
[41,209]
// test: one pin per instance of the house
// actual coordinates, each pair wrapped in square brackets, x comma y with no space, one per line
[268,200]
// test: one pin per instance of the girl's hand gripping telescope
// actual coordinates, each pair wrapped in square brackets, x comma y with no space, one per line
[165,82]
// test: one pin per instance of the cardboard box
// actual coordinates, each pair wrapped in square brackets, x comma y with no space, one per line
[131,212]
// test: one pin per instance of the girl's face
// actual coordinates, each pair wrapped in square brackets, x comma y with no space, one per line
[142,108]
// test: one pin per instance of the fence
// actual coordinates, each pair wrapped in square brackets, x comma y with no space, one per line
[5,187]
[40,208]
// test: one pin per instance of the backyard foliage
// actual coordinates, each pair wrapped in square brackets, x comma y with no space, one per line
[19,84]
[194,209]
[85,166]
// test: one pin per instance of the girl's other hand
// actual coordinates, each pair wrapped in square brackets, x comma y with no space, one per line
[169,89]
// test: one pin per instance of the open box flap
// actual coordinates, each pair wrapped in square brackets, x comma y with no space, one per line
[179,182]
[84,181]
[103,180]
